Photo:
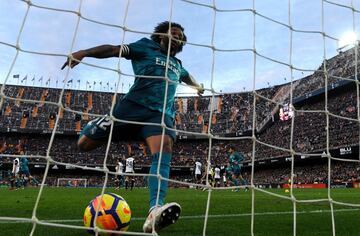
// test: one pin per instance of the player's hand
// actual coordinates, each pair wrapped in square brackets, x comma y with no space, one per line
[200,89]
[79,55]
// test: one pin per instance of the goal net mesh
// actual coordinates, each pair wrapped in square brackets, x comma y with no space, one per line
[256,58]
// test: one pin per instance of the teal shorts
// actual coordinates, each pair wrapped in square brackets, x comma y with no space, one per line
[99,129]
[236,169]
[24,172]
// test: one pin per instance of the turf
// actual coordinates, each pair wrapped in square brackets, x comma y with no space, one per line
[229,213]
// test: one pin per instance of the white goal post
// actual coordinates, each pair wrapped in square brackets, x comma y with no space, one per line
[71,182]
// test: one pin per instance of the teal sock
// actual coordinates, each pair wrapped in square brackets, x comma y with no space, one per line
[153,181]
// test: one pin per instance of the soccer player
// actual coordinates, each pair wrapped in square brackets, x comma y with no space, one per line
[24,172]
[145,103]
[197,172]
[235,160]
[217,176]
[129,168]
[119,170]
[14,173]
[3,147]
[210,176]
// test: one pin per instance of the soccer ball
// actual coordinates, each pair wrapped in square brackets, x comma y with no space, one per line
[287,190]
[114,213]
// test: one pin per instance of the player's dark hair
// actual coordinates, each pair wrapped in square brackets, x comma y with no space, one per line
[163,27]
[232,147]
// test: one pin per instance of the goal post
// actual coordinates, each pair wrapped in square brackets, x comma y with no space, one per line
[71,182]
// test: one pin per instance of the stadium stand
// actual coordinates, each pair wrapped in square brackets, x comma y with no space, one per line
[31,124]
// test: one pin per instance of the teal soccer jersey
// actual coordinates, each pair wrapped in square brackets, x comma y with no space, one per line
[24,166]
[149,64]
[235,162]
[236,158]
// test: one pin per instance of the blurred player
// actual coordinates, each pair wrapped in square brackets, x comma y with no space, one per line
[3,147]
[14,173]
[235,160]
[129,168]
[145,103]
[198,172]
[119,171]
[210,176]
[228,175]
[223,175]
[24,172]
[217,176]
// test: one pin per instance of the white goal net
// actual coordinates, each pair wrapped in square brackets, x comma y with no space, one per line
[249,74]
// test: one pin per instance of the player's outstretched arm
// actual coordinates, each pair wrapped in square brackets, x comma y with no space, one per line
[189,80]
[103,51]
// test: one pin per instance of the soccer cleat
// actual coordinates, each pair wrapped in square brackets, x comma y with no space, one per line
[161,217]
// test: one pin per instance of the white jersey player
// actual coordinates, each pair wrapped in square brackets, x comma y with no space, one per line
[119,167]
[16,167]
[129,168]
[217,176]
[119,171]
[14,172]
[198,172]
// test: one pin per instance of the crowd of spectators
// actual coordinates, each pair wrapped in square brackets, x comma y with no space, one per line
[316,124]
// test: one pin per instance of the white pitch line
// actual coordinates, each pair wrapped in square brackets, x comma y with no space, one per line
[201,216]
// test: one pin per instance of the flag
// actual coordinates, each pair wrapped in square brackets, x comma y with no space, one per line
[100,83]
[48,81]
[78,81]
[17,76]
[70,81]
[87,82]
[94,82]
[41,79]
[33,79]
[107,83]
[25,78]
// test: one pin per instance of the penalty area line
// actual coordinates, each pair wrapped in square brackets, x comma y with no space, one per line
[198,216]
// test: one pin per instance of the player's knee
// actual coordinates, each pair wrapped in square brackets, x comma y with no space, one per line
[85,144]
[168,144]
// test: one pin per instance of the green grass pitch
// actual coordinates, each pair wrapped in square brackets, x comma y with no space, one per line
[229,214]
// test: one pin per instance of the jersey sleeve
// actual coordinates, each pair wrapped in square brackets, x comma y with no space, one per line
[183,73]
[136,49]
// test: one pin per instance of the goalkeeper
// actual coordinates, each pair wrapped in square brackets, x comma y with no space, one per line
[235,160]
[145,103]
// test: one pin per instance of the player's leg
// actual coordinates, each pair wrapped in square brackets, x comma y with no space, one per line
[27,178]
[12,181]
[94,134]
[160,214]
[132,183]
[154,143]
[116,180]
[198,179]
[236,176]
[243,182]
[126,182]
[119,181]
